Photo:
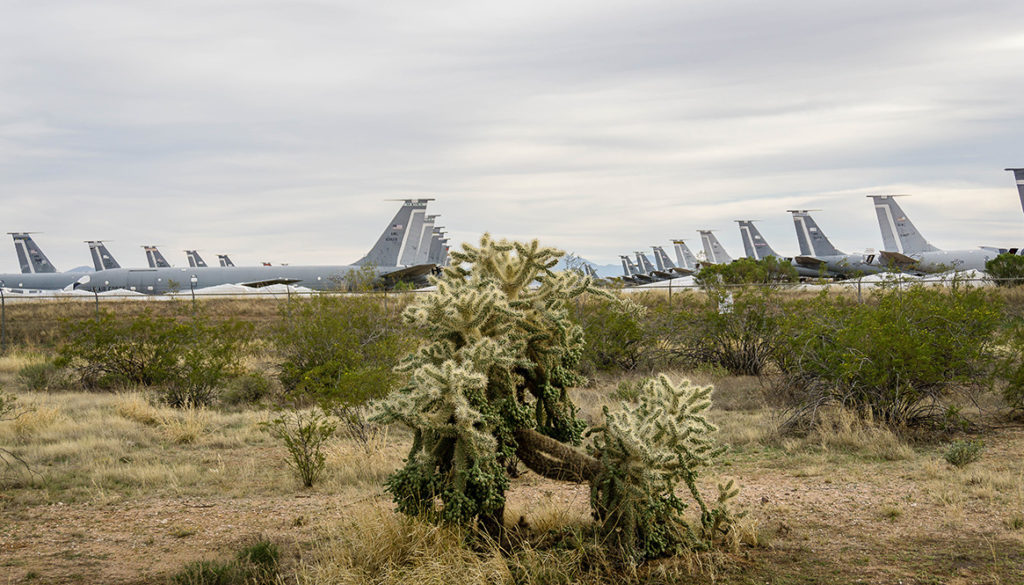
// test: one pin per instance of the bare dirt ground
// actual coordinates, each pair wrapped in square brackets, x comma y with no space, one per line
[824,520]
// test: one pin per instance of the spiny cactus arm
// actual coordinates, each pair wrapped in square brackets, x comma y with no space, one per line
[554,459]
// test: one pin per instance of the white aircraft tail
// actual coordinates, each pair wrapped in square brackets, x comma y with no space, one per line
[30,257]
[684,257]
[713,249]
[898,233]
[811,239]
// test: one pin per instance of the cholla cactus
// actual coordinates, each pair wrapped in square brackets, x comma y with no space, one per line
[646,451]
[501,352]
[489,386]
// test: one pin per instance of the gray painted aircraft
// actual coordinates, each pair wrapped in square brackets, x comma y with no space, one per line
[684,257]
[818,253]
[758,248]
[1018,176]
[155,259]
[30,257]
[102,259]
[37,272]
[224,260]
[714,252]
[666,265]
[380,264]
[194,259]
[631,273]
[907,248]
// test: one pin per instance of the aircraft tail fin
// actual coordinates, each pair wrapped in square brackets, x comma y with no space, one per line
[393,244]
[102,259]
[662,259]
[1018,176]
[30,257]
[812,240]
[898,233]
[684,257]
[194,259]
[426,238]
[644,263]
[713,249]
[224,260]
[155,258]
[754,244]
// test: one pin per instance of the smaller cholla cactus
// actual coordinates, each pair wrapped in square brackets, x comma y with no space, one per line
[646,451]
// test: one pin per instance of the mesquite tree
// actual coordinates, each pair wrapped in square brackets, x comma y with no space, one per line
[489,387]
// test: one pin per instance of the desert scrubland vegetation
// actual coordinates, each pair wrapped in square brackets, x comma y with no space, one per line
[525,438]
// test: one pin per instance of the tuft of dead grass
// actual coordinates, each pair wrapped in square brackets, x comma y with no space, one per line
[184,425]
[380,546]
[135,406]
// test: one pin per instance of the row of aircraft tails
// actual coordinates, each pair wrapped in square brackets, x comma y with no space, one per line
[410,248]
[904,249]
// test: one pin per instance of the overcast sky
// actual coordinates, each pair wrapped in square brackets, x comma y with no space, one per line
[276,130]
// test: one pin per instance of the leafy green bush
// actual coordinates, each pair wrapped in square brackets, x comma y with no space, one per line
[341,350]
[615,333]
[1010,366]
[735,328]
[771,270]
[960,453]
[1006,269]
[188,356]
[304,435]
[897,355]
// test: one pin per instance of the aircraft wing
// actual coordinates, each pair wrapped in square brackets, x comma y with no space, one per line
[270,281]
[415,274]
[809,261]
[682,271]
[896,258]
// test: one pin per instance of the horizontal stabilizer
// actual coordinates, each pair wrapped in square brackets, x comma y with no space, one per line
[809,261]
[896,258]
[270,281]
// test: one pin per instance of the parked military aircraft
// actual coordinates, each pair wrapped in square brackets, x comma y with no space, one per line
[757,248]
[818,253]
[155,259]
[30,257]
[1018,175]
[907,248]
[666,265]
[194,259]
[380,264]
[684,257]
[714,252]
[102,259]
[37,272]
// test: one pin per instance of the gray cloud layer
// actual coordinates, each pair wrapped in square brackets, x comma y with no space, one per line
[274,130]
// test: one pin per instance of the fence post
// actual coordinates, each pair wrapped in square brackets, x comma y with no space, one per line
[3,321]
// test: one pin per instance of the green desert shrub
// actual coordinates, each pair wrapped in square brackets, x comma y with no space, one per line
[248,388]
[1006,269]
[770,270]
[304,435]
[617,338]
[898,355]
[341,350]
[961,452]
[186,356]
